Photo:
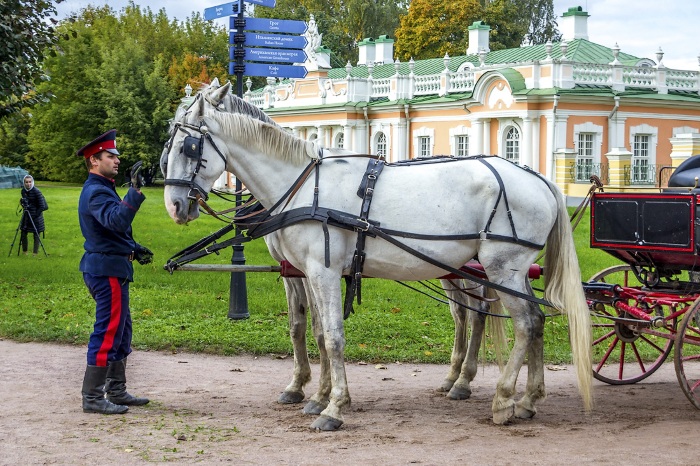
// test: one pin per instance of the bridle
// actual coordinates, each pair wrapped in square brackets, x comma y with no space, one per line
[192,148]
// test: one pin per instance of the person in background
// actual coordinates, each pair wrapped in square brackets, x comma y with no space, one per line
[34,204]
[105,222]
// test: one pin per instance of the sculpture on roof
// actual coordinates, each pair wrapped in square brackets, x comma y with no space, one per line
[313,41]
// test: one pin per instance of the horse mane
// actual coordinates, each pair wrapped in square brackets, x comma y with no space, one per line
[234,104]
[269,138]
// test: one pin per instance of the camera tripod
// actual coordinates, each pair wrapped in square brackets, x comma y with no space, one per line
[38,235]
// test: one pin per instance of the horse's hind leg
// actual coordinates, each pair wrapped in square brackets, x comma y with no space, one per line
[319,400]
[534,390]
[459,316]
[297,305]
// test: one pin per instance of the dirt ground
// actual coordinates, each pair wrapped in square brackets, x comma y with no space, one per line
[223,410]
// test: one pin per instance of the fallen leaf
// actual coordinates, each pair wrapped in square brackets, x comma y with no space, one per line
[380,366]
[556,368]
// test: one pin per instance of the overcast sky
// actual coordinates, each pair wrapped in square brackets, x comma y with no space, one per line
[639,27]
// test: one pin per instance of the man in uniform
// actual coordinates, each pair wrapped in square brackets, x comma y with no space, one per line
[105,222]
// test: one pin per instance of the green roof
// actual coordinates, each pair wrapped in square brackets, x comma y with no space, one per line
[579,50]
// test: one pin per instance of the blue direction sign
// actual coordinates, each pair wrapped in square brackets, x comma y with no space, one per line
[270,70]
[268,3]
[283,41]
[286,26]
[272,55]
[219,11]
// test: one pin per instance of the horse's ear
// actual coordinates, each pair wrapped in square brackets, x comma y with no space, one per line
[216,96]
[197,108]
[214,84]
[227,86]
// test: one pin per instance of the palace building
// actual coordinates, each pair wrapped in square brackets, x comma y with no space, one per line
[568,110]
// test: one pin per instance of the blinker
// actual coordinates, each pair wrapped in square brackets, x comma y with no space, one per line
[192,147]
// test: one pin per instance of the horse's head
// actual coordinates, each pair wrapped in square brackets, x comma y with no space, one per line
[191,160]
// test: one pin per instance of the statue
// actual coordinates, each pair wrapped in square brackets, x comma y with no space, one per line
[313,40]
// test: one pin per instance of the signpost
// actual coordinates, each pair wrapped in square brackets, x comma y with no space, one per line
[221,11]
[266,52]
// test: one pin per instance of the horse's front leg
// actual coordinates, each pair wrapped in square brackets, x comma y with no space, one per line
[459,350]
[462,389]
[327,296]
[297,306]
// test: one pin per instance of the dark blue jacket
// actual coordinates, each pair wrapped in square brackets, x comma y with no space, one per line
[105,221]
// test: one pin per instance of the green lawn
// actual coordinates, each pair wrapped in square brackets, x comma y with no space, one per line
[44,298]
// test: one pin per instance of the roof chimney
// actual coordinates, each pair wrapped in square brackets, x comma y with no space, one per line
[366,49]
[384,50]
[574,24]
[478,37]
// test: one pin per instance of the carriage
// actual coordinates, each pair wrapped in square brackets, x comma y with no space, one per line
[649,304]
[480,206]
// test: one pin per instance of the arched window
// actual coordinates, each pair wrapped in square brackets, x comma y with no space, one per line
[513,145]
[381,144]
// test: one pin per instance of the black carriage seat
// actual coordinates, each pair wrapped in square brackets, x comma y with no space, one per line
[685,175]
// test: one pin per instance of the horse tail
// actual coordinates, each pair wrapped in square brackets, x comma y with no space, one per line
[564,290]
[497,328]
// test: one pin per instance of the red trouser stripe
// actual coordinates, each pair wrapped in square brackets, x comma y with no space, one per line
[114,318]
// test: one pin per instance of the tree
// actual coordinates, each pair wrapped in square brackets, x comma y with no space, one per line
[343,23]
[123,71]
[26,38]
[433,28]
[543,23]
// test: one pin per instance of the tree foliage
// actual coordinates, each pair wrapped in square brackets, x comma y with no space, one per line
[26,36]
[343,23]
[125,71]
[435,27]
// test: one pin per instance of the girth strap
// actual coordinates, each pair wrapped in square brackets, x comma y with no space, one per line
[365,191]
[501,194]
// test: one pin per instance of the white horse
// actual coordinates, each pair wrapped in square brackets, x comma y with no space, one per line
[488,207]
[468,303]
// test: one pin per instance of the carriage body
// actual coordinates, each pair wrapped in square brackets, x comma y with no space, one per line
[653,231]
[643,309]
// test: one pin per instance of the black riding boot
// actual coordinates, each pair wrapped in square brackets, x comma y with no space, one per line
[94,394]
[116,386]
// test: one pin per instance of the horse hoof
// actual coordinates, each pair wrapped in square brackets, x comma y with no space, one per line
[459,393]
[326,423]
[503,416]
[289,398]
[313,407]
[522,412]
[446,385]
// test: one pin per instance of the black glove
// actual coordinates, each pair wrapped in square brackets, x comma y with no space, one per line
[143,255]
[24,202]
[135,175]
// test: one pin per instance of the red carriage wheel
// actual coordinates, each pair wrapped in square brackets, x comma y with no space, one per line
[626,351]
[687,355]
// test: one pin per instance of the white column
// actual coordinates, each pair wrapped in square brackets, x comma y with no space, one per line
[487,137]
[536,144]
[321,136]
[548,170]
[526,155]
[347,133]
[478,135]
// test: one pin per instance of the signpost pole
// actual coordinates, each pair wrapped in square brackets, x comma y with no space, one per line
[238,291]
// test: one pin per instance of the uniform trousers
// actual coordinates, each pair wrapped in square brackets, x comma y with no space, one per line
[111,337]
